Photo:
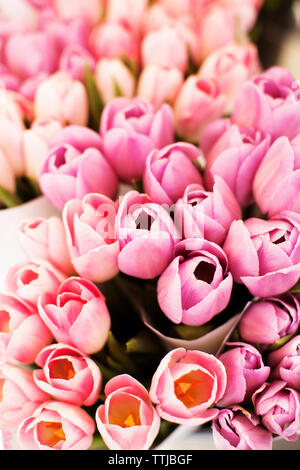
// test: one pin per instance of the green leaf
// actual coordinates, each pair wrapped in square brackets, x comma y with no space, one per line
[144,343]
[118,91]
[281,342]
[9,199]
[192,332]
[118,353]
[96,104]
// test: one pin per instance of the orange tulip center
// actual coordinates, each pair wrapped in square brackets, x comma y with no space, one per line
[130,420]
[193,388]
[62,369]
[50,433]
[4,321]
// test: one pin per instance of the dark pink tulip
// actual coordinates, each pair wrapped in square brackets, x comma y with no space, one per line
[244,147]
[77,307]
[203,214]
[238,429]
[277,318]
[170,170]
[147,236]
[265,254]
[285,363]
[131,129]
[245,371]
[196,286]
[74,59]
[278,407]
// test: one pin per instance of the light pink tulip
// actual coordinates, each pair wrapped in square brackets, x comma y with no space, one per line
[203,214]
[196,286]
[74,59]
[186,386]
[159,84]
[68,375]
[245,371]
[169,171]
[91,10]
[245,148]
[285,363]
[11,135]
[91,238]
[30,279]
[246,12]
[57,426]
[78,306]
[147,236]
[27,18]
[20,396]
[128,12]
[127,420]
[63,99]
[165,46]
[264,254]
[240,429]
[178,8]
[68,32]
[7,176]
[198,103]
[36,141]
[22,332]
[113,77]
[45,239]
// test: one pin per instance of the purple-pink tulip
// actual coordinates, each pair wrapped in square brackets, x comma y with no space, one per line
[278,407]
[77,307]
[285,363]
[91,238]
[203,214]
[170,170]
[147,236]
[22,332]
[277,318]
[127,420]
[245,371]
[239,429]
[186,386]
[57,425]
[264,254]
[68,375]
[131,129]
[197,285]
[20,396]
[245,148]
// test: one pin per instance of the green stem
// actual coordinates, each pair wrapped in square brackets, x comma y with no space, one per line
[9,199]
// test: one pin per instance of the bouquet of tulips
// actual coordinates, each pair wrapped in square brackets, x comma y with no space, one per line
[165,291]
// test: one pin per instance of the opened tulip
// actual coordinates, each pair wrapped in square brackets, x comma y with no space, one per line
[239,429]
[131,129]
[68,375]
[285,363]
[127,420]
[264,254]
[78,306]
[57,426]
[197,285]
[91,238]
[186,386]
[245,371]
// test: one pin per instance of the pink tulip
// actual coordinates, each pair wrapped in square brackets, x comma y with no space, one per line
[245,371]
[278,407]
[165,46]
[146,234]
[285,363]
[45,239]
[74,59]
[112,77]
[75,168]
[186,386]
[129,12]
[196,286]
[127,420]
[26,20]
[239,429]
[41,50]
[245,148]
[29,86]
[7,176]
[270,103]
[19,396]
[159,84]
[198,103]
[91,10]
[67,32]
[77,307]
[264,254]
[246,12]
[22,332]
[276,181]
[90,230]
[203,214]
[131,129]
[30,279]
[57,426]
[68,375]
[277,318]
[178,8]
[169,171]
[11,134]
[36,141]
[63,99]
